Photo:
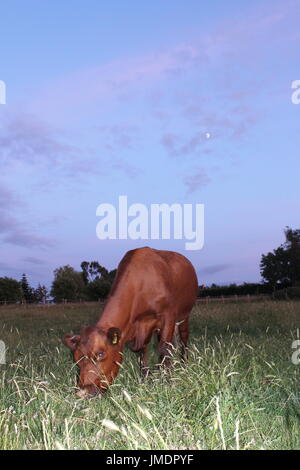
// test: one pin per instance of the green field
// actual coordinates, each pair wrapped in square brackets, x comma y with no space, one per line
[239,390]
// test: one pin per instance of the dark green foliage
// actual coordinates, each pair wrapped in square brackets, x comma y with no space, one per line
[10,290]
[282,266]
[14,291]
[111,275]
[292,246]
[91,284]
[92,271]
[68,284]
[287,294]
[41,294]
[98,289]
[97,279]
[27,291]
[234,289]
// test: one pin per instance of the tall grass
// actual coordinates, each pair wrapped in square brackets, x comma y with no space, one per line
[239,389]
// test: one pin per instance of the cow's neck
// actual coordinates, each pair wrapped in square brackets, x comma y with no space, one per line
[118,310]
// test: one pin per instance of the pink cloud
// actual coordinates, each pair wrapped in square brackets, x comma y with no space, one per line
[89,87]
[247,35]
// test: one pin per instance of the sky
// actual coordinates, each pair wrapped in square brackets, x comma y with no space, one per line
[164,102]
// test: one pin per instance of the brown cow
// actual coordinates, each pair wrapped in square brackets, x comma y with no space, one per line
[153,291]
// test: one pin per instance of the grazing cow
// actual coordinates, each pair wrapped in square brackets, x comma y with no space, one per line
[153,291]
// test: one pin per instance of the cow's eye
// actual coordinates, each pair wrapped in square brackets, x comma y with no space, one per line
[100,355]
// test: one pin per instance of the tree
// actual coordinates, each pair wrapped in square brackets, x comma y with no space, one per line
[282,266]
[68,284]
[292,246]
[27,291]
[98,289]
[111,275]
[10,290]
[41,294]
[97,279]
[91,271]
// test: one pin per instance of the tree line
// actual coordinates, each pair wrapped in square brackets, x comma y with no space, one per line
[93,282]
[280,271]
[246,288]
[12,290]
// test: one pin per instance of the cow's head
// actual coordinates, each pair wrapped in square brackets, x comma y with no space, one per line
[97,352]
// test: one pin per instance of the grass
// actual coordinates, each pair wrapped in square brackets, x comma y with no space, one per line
[239,390]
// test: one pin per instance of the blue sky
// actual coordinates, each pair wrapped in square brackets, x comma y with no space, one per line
[112,98]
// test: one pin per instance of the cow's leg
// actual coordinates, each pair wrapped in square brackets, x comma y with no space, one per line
[165,345]
[143,361]
[143,354]
[183,329]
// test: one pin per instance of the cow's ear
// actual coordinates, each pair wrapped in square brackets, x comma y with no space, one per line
[71,341]
[114,335]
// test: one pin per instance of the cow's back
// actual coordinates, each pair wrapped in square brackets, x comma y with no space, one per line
[150,287]
[164,280]
[182,282]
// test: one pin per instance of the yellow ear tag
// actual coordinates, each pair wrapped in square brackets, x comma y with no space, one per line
[115,339]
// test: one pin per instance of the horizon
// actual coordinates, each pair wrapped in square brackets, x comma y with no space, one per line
[162,103]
